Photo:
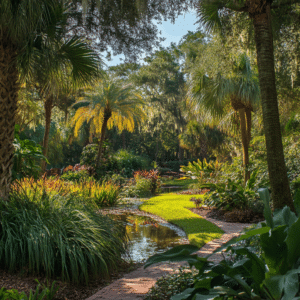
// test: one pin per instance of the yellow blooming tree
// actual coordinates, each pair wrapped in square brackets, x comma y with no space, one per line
[109,104]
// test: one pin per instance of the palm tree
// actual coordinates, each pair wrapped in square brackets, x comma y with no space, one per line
[59,66]
[240,88]
[110,104]
[21,22]
[260,12]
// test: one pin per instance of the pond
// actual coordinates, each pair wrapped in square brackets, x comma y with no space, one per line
[147,236]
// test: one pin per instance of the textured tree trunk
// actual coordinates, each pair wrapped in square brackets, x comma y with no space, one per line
[279,182]
[249,124]
[107,115]
[48,105]
[245,144]
[9,88]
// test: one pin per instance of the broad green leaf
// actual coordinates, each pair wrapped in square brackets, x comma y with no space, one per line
[265,196]
[275,250]
[297,201]
[293,242]
[284,217]
[184,295]
[286,285]
[178,253]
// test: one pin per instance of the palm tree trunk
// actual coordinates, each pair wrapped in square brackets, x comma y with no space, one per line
[249,124]
[245,144]
[107,115]
[279,182]
[48,111]
[9,88]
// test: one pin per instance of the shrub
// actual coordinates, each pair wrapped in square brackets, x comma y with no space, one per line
[46,293]
[129,162]
[230,195]
[75,176]
[152,175]
[27,157]
[140,187]
[58,237]
[203,171]
[86,191]
[169,285]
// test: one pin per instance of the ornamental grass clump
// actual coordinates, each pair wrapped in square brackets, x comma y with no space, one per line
[58,237]
[87,191]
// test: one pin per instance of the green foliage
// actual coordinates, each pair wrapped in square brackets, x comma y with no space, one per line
[27,157]
[46,293]
[169,285]
[141,187]
[274,275]
[231,195]
[89,191]
[75,176]
[202,170]
[175,209]
[122,162]
[129,162]
[58,236]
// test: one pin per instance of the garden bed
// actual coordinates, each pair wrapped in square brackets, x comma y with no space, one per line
[67,291]
[234,216]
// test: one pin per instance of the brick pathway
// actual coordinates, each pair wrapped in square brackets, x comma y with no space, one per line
[135,285]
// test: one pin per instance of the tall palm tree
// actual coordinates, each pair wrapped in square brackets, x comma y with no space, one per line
[21,22]
[109,104]
[260,12]
[240,88]
[59,66]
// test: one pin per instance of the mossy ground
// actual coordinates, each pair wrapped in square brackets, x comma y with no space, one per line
[174,209]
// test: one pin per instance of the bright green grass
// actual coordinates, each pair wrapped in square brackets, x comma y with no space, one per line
[174,209]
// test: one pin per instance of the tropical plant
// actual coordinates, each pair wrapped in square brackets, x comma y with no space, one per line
[169,285]
[20,23]
[59,66]
[58,236]
[273,275]
[109,104]
[47,293]
[203,171]
[261,15]
[27,158]
[239,87]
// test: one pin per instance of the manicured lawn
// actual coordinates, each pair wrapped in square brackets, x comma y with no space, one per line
[174,209]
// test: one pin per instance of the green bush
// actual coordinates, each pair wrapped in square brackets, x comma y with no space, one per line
[128,162]
[231,195]
[75,176]
[169,285]
[122,162]
[141,187]
[27,157]
[58,237]
[45,294]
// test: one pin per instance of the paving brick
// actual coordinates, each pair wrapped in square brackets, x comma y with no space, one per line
[134,285]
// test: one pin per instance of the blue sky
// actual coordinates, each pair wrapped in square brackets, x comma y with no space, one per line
[172,32]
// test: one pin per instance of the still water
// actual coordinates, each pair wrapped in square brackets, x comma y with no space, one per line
[147,236]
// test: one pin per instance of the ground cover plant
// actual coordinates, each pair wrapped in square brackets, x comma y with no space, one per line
[169,285]
[175,209]
[183,182]
[271,274]
[87,191]
[58,236]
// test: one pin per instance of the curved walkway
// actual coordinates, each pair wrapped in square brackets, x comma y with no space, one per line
[136,284]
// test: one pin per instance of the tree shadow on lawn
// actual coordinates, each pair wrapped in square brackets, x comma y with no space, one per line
[198,230]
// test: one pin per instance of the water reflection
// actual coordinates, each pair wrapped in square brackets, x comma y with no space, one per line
[146,236]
